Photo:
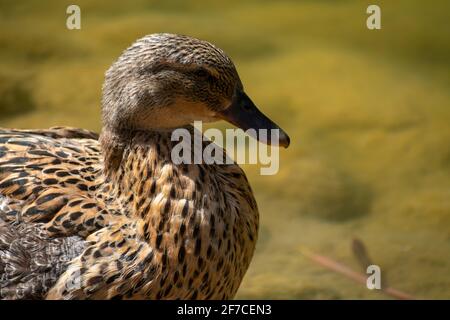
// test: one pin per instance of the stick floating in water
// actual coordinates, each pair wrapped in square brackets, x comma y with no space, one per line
[349,273]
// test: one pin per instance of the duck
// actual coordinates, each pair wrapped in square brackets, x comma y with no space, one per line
[111,215]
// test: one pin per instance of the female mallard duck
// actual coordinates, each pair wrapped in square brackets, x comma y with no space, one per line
[115,217]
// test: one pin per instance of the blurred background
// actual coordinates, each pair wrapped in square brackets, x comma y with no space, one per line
[368,113]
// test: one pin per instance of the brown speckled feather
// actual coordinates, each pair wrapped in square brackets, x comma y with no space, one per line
[151,230]
[30,260]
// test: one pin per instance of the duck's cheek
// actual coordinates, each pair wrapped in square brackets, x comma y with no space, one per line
[210,117]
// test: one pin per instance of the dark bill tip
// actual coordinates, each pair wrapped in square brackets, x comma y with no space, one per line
[284,139]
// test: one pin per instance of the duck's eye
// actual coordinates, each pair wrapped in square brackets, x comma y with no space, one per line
[202,73]
[246,106]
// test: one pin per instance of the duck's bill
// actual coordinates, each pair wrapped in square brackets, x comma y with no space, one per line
[244,114]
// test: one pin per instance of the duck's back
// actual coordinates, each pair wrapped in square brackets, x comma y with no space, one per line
[40,171]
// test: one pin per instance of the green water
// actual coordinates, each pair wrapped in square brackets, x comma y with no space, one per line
[367,111]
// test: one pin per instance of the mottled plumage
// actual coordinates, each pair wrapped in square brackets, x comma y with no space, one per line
[113,218]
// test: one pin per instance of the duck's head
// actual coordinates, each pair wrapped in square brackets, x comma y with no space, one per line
[166,81]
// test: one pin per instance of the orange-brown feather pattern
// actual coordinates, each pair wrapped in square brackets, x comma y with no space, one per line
[150,229]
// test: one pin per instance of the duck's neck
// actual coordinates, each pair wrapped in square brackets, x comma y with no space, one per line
[135,160]
[115,143]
